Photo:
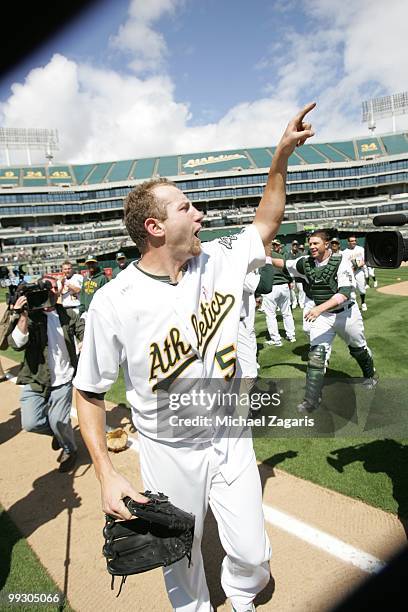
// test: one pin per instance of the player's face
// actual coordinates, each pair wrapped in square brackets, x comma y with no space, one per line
[121,262]
[335,247]
[67,270]
[183,222]
[351,242]
[317,247]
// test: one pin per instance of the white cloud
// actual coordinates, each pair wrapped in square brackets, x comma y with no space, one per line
[369,40]
[349,52]
[145,46]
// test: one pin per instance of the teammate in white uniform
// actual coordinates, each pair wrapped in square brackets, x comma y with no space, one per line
[296,285]
[256,282]
[69,286]
[175,315]
[369,272]
[355,255]
[331,285]
[279,297]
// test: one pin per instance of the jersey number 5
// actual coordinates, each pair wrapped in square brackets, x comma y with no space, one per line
[226,359]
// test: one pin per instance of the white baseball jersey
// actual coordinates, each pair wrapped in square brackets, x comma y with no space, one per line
[355,255]
[68,298]
[159,331]
[246,348]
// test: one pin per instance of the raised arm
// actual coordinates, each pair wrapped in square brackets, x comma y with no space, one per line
[272,205]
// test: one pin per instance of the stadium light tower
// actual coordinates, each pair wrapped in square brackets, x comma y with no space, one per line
[386,106]
[30,139]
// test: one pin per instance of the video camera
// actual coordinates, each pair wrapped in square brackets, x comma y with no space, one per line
[386,249]
[37,294]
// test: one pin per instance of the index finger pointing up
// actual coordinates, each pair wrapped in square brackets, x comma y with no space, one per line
[301,114]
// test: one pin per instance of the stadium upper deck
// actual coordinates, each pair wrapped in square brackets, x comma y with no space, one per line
[183,166]
[51,212]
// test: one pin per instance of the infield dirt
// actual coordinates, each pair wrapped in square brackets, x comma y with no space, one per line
[61,517]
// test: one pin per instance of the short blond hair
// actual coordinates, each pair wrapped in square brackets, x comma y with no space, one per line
[140,204]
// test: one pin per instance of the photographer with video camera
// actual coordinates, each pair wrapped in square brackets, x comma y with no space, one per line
[46,331]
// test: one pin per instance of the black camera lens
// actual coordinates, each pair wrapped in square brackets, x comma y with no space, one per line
[385,249]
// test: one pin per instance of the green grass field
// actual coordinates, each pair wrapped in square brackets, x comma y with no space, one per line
[21,571]
[374,471]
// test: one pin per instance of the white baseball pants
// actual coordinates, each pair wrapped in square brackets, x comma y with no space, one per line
[279,296]
[360,281]
[190,477]
[347,324]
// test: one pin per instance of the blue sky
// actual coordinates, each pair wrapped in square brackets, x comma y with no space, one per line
[134,78]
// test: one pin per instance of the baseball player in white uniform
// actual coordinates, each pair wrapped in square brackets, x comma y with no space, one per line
[369,273]
[355,255]
[69,286]
[172,316]
[331,285]
[279,297]
[256,282]
[295,285]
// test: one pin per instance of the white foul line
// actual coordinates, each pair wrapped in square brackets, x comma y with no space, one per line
[331,545]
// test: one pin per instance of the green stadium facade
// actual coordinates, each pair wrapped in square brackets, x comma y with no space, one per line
[51,213]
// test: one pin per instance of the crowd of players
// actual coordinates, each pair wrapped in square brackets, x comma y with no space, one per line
[289,292]
[276,292]
[322,280]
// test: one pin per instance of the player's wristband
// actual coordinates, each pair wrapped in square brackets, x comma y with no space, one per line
[268,260]
[340,298]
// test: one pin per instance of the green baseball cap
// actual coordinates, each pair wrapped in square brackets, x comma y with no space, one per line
[120,255]
[91,259]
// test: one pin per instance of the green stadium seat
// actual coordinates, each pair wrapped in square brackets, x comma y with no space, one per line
[168,166]
[261,157]
[395,144]
[82,172]
[295,160]
[329,152]
[310,155]
[99,173]
[120,170]
[144,168]
[345,147]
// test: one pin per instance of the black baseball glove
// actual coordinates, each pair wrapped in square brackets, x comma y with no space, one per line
[160,535]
